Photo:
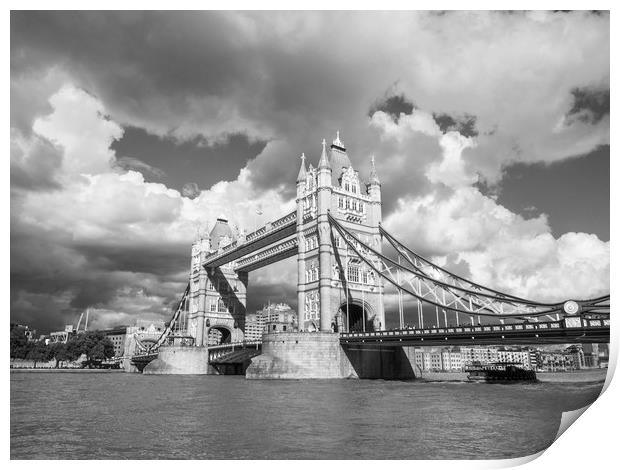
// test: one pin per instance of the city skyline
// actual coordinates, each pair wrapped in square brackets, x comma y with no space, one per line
[118,158]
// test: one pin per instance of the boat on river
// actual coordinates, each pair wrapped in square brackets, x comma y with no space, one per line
[500,372]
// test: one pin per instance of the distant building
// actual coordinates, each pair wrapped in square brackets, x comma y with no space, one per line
[478,355]
[577,357]
[459,358]
[117,335]
[442,359]
[272,318]
[451,359]
[519,356]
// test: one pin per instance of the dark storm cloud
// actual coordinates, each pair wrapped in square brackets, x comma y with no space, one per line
[589,105]
[393,105]
[155,259]
[53,278]
[464,124]
[176,163]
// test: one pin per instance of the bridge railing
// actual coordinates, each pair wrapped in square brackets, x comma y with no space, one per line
[270,226]
[571,322]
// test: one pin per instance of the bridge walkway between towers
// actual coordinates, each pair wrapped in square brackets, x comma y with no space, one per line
[270,233]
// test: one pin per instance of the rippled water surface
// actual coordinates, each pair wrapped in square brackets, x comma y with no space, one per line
[131,416]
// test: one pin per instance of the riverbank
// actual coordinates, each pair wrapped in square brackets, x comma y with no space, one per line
[585,375]
[577,376]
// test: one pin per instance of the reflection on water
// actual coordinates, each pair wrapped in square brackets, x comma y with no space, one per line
[131,416]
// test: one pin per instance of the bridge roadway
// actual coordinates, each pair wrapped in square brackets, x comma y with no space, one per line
[552,332]
[568,330]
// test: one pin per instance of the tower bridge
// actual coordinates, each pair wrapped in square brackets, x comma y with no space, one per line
[336,235]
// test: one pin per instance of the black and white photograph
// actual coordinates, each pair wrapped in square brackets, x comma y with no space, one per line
[307,235]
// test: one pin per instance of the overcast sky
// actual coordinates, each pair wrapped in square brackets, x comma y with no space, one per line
[131,131]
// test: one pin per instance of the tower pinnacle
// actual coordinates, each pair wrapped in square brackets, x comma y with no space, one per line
[302,170]
[337,142]
[374,179]
[324,162]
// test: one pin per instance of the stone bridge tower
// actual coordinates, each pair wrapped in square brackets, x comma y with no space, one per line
[336,291]
[217,296]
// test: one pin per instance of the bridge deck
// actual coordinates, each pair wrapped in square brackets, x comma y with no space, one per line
[589,331]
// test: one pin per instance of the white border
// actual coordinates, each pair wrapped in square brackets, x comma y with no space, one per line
[590,442]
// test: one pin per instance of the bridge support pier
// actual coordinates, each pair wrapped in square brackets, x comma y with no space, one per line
[319,355]
[174,360]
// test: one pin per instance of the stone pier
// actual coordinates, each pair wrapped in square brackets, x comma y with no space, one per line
[318,355]
[179,360]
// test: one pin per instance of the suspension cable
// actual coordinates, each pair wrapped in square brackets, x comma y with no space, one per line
[343,232]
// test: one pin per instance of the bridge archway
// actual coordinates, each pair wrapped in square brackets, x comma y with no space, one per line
[355,316]
[218,335]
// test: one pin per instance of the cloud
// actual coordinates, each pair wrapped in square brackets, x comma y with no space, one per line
[501,249]
[535,84]
[464,125]
[393,104]
[131,163]
[589,105]
[34,162]
[190,190]
[231,72]
[458,225]
[107,235]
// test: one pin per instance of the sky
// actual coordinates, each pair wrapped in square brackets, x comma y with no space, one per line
[132,131]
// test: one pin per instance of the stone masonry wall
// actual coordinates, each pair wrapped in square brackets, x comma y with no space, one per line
[179,360]
[318,355]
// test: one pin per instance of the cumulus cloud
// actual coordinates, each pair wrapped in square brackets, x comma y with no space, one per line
[454,99]
[475,236]
[108,232]
[131,163]
[190,190]
[516,73]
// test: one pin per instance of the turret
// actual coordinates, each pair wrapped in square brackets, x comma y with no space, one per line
[374,185]
[221,232]
[374,191]
[301,177]
[324,161]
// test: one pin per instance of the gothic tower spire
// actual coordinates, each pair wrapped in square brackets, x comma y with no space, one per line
[302,170]
[324,162]
[374,179]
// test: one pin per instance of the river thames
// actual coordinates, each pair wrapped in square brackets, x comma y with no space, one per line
[56,415]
